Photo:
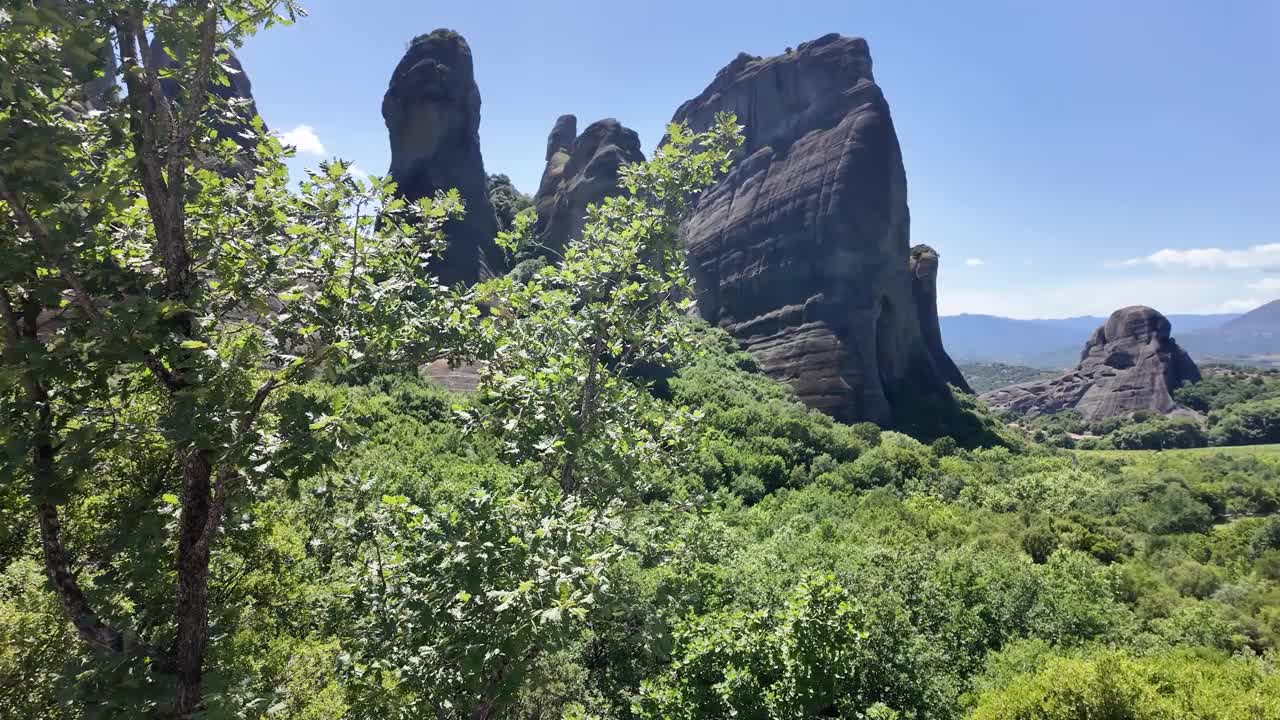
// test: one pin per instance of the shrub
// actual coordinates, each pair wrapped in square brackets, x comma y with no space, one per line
[1159,434]
[1251,423]
[1114,685]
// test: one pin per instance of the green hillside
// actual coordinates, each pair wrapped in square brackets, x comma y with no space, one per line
[987,376]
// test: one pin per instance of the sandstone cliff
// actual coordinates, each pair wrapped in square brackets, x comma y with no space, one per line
[924,289]
[581,170]
[432,113]
[802,251]
[1130,363]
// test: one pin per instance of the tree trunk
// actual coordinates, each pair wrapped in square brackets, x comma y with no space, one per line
[192,611]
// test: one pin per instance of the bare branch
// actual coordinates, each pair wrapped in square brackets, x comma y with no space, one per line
[146,104]
[255,407]
[10,320]
[190,116]
[173,247]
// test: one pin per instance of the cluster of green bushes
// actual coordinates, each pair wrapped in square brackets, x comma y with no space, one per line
[800,568]
[222,495]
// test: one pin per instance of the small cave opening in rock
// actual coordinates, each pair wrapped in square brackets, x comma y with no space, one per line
[1119,360]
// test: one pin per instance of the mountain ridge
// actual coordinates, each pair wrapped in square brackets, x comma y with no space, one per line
[1055,342]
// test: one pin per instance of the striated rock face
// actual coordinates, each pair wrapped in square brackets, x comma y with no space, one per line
[581,170]
[1130,363]
[924,289]
[802,251]
[432,112]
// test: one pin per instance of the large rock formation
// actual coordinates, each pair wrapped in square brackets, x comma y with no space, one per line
[238,92]
[802,251]
[924,288]
[581,170]
[1130,363]
[432,112]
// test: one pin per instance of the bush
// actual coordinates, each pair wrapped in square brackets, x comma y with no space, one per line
[1159,434]
[1114,685]
[1251,423]
[826,653]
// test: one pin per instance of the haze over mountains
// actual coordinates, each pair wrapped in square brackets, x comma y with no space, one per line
[1249,338]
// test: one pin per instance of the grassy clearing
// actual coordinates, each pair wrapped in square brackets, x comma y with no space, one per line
[1259,451]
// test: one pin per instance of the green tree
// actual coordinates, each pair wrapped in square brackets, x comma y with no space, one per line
[563,382]
[827,653]
[149,259]
[1251,423]
[507,201]
[1159,433]
[464,597]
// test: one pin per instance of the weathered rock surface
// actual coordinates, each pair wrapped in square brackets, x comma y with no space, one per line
[581,170]
[802,251]
[238,91]
[1130,363]
[463,379]
[924,289]
[432,113]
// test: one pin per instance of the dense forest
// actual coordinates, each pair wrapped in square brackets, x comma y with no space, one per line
[227,491]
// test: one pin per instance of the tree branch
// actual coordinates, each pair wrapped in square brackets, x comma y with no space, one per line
[142,93]
[57,560]
[37,231]
[177,261]
[96,633]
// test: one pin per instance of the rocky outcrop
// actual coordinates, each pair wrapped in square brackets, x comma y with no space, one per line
[432,113]
[1130,363]
[581,170]
[238,93]
[802,250]
[924,289]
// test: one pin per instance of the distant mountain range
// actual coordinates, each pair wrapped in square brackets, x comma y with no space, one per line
[1251,338]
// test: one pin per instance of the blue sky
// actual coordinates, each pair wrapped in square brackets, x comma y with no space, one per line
[1065,157]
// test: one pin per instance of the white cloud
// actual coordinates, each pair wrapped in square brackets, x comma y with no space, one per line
[304,138]
[1238,305]
[1271,283]
[1256,257]
[358,172]
[974,262]
[1047,295]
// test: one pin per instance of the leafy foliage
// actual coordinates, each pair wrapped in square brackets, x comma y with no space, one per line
[627,519]
[1115,685]
[507,201]
[559,384]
